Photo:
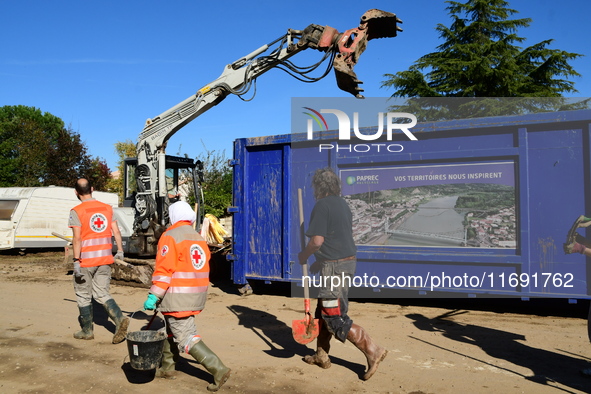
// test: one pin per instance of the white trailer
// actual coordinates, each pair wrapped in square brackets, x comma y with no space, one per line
[29,215]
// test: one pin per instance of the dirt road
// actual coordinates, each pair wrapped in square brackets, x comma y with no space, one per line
[446,346]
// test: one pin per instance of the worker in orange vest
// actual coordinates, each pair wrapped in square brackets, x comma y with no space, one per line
[179,288]
[93,224]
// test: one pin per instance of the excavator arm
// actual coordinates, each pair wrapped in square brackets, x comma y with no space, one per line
[341,51]
[238,76]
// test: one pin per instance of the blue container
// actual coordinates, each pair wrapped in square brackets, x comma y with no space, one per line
[480,207]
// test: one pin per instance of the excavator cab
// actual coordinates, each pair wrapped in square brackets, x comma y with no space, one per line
[180,172]
[183,178]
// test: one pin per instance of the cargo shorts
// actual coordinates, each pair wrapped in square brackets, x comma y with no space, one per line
[333,301]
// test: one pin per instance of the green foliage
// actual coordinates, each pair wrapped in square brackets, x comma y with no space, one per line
[429,109]
[487,198]
[26,135]
[217,183]
[124,149]
[36,149]
[98,173]
[479,57]
[68,158]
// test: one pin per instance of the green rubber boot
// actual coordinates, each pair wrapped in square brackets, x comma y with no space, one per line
[212,363]
[170,356]
[85,319]
[121,322]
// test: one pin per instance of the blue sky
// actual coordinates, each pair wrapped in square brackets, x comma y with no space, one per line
[104,67]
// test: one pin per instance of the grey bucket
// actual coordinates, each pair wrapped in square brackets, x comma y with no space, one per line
[145,349]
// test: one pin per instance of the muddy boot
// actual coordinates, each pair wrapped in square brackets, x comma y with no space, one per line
[121,322]
[212,363]
[170,356]
[85,319]
[373,352]
[322,348]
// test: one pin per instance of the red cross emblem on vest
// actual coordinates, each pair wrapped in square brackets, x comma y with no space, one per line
[98,223]
[164,250]
[198,258]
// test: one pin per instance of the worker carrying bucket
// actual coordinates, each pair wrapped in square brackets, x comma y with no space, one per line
[179,287]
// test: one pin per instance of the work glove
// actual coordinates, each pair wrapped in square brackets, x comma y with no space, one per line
[119,255]
[316,267]
[151,302]
[301,259]
[77,272]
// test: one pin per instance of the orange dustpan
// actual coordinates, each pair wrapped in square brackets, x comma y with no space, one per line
[305,330]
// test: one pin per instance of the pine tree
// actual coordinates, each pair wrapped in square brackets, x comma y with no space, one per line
[480,57]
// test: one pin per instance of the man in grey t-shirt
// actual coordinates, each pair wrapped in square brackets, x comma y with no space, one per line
[331,242]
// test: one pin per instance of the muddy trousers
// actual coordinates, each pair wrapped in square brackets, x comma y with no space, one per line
[95,284]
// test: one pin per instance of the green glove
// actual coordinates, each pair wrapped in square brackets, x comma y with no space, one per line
[151,302]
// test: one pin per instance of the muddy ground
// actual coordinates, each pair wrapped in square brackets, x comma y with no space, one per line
[435,346]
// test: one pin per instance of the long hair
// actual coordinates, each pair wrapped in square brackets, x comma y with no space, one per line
[326,183]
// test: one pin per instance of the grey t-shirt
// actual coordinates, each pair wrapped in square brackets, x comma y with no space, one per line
[331,218]
[74,220]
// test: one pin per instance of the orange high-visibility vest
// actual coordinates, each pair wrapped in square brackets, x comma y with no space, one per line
[181,274]
[96,219]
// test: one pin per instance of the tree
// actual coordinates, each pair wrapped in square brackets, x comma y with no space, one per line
[36,149]
[25,134]
[124,149]
[217,183]
[98,173]
[480,58]
[69,159]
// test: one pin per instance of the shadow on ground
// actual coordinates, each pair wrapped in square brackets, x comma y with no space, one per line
[547,367]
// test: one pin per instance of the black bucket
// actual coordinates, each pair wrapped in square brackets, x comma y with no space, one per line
[145,349]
